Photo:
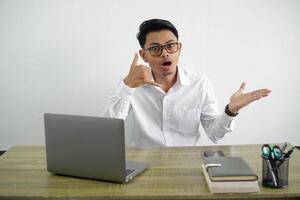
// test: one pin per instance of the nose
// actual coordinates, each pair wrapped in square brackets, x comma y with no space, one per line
[164,52]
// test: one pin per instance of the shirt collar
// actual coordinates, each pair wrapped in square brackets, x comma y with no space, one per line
[182,78]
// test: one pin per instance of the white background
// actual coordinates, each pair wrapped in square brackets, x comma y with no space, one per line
[67,56]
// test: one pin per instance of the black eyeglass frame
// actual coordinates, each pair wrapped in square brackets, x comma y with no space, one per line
[162,47]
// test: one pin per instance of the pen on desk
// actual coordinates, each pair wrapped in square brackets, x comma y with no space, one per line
[288,154]
[283,147]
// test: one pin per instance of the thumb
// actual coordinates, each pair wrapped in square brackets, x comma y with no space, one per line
[242,87]
[135,59]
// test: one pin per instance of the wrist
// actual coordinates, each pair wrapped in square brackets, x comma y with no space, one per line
[127,82]
[232,108]
[230,111]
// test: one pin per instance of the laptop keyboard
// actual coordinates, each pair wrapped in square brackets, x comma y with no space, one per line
[130,171]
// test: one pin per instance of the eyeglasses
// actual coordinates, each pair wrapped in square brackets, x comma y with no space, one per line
[157,50]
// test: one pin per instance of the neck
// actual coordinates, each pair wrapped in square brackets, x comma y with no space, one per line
[166,81]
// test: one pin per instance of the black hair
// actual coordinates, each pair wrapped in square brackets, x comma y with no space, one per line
[153,25]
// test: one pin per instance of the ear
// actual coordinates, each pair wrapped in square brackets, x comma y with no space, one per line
[143,55]
[179,48]
[180,45]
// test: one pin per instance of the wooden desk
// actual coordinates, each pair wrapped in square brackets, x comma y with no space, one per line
[175,173]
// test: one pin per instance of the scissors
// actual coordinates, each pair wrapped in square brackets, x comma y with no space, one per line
[271,152]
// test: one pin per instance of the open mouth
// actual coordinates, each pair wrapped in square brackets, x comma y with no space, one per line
[166,63]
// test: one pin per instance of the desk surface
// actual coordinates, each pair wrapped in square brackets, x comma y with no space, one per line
[175,173]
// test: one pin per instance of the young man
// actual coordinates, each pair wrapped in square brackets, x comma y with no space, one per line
[164,104]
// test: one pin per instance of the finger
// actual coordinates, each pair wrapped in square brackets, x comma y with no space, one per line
[264,94]
[260,91]
[145,67]
[258,96]
[242,87]
[153,83]
[135,60]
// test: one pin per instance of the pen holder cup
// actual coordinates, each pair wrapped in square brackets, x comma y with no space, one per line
[275,173]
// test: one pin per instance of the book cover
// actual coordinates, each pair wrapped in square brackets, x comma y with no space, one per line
[229,169]
[230,186]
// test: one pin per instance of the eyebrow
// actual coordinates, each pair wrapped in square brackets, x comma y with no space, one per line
[155,43]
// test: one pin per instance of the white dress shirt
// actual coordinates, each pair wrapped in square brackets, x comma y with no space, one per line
[155,118]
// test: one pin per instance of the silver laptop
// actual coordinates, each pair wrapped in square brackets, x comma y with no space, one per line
[89,147]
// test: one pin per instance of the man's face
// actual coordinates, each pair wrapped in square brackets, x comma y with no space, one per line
[164,64]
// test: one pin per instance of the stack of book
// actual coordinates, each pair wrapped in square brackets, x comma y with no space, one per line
[229,175]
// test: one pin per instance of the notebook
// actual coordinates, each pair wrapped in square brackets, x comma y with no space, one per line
[229,169]
[89,147]
[229,186]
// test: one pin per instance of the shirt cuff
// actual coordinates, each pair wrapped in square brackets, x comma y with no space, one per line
[227,121]
[125,92]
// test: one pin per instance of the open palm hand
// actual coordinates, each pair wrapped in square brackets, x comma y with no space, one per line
[239,99]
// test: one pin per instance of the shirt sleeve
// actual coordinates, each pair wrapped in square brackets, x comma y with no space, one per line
[118,104]
[215,124]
